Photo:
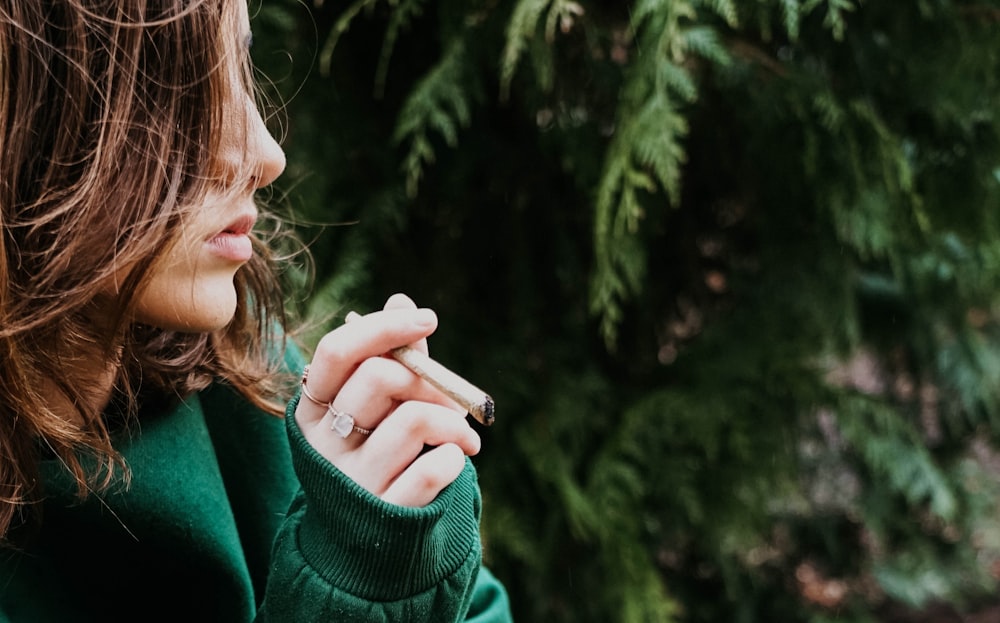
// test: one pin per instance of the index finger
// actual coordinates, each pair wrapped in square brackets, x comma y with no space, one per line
[400,301]
[340,351]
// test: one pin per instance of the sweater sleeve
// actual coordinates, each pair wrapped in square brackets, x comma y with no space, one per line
[345,555]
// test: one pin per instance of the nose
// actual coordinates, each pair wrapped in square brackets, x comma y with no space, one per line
[265,156]
[249,157]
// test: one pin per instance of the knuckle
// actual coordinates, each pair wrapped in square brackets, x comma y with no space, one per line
[416,418]
[446,466]
[379,374]
[453,455]
[330,350]
[430,480]
[374,368]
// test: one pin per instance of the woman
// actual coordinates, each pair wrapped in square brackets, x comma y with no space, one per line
[143,473]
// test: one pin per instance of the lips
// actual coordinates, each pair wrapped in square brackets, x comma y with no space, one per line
[233,243]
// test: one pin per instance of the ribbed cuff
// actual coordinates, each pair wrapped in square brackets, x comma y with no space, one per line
[373,549]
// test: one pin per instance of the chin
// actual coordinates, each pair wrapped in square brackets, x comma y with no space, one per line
[205,325]
[197,323]
[209,311]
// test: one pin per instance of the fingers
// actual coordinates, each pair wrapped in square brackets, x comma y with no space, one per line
[407,415]
[401,301]
[400,439]
[376,388]
[426,477]
[378,385]
[391,462]
[341,351]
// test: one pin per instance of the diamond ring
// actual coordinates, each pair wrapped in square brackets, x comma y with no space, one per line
[343,423]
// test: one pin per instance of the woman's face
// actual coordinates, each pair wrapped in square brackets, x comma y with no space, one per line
[191,286]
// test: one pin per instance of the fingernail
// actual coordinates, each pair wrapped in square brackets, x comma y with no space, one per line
[426,317]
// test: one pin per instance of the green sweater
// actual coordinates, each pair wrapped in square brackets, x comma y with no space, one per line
[231,516]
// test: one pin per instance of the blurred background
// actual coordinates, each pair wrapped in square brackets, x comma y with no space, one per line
[729,268]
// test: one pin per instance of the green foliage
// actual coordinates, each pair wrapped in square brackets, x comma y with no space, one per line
[645,154]
[729,269]
[439,103]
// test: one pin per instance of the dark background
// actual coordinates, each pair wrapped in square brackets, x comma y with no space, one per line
[729,270]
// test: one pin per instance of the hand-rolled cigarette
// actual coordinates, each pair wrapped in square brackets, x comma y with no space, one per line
[477,402]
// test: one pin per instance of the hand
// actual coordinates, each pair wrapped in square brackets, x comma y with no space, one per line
[405,413]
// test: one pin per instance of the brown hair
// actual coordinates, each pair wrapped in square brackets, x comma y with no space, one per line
[109,118]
